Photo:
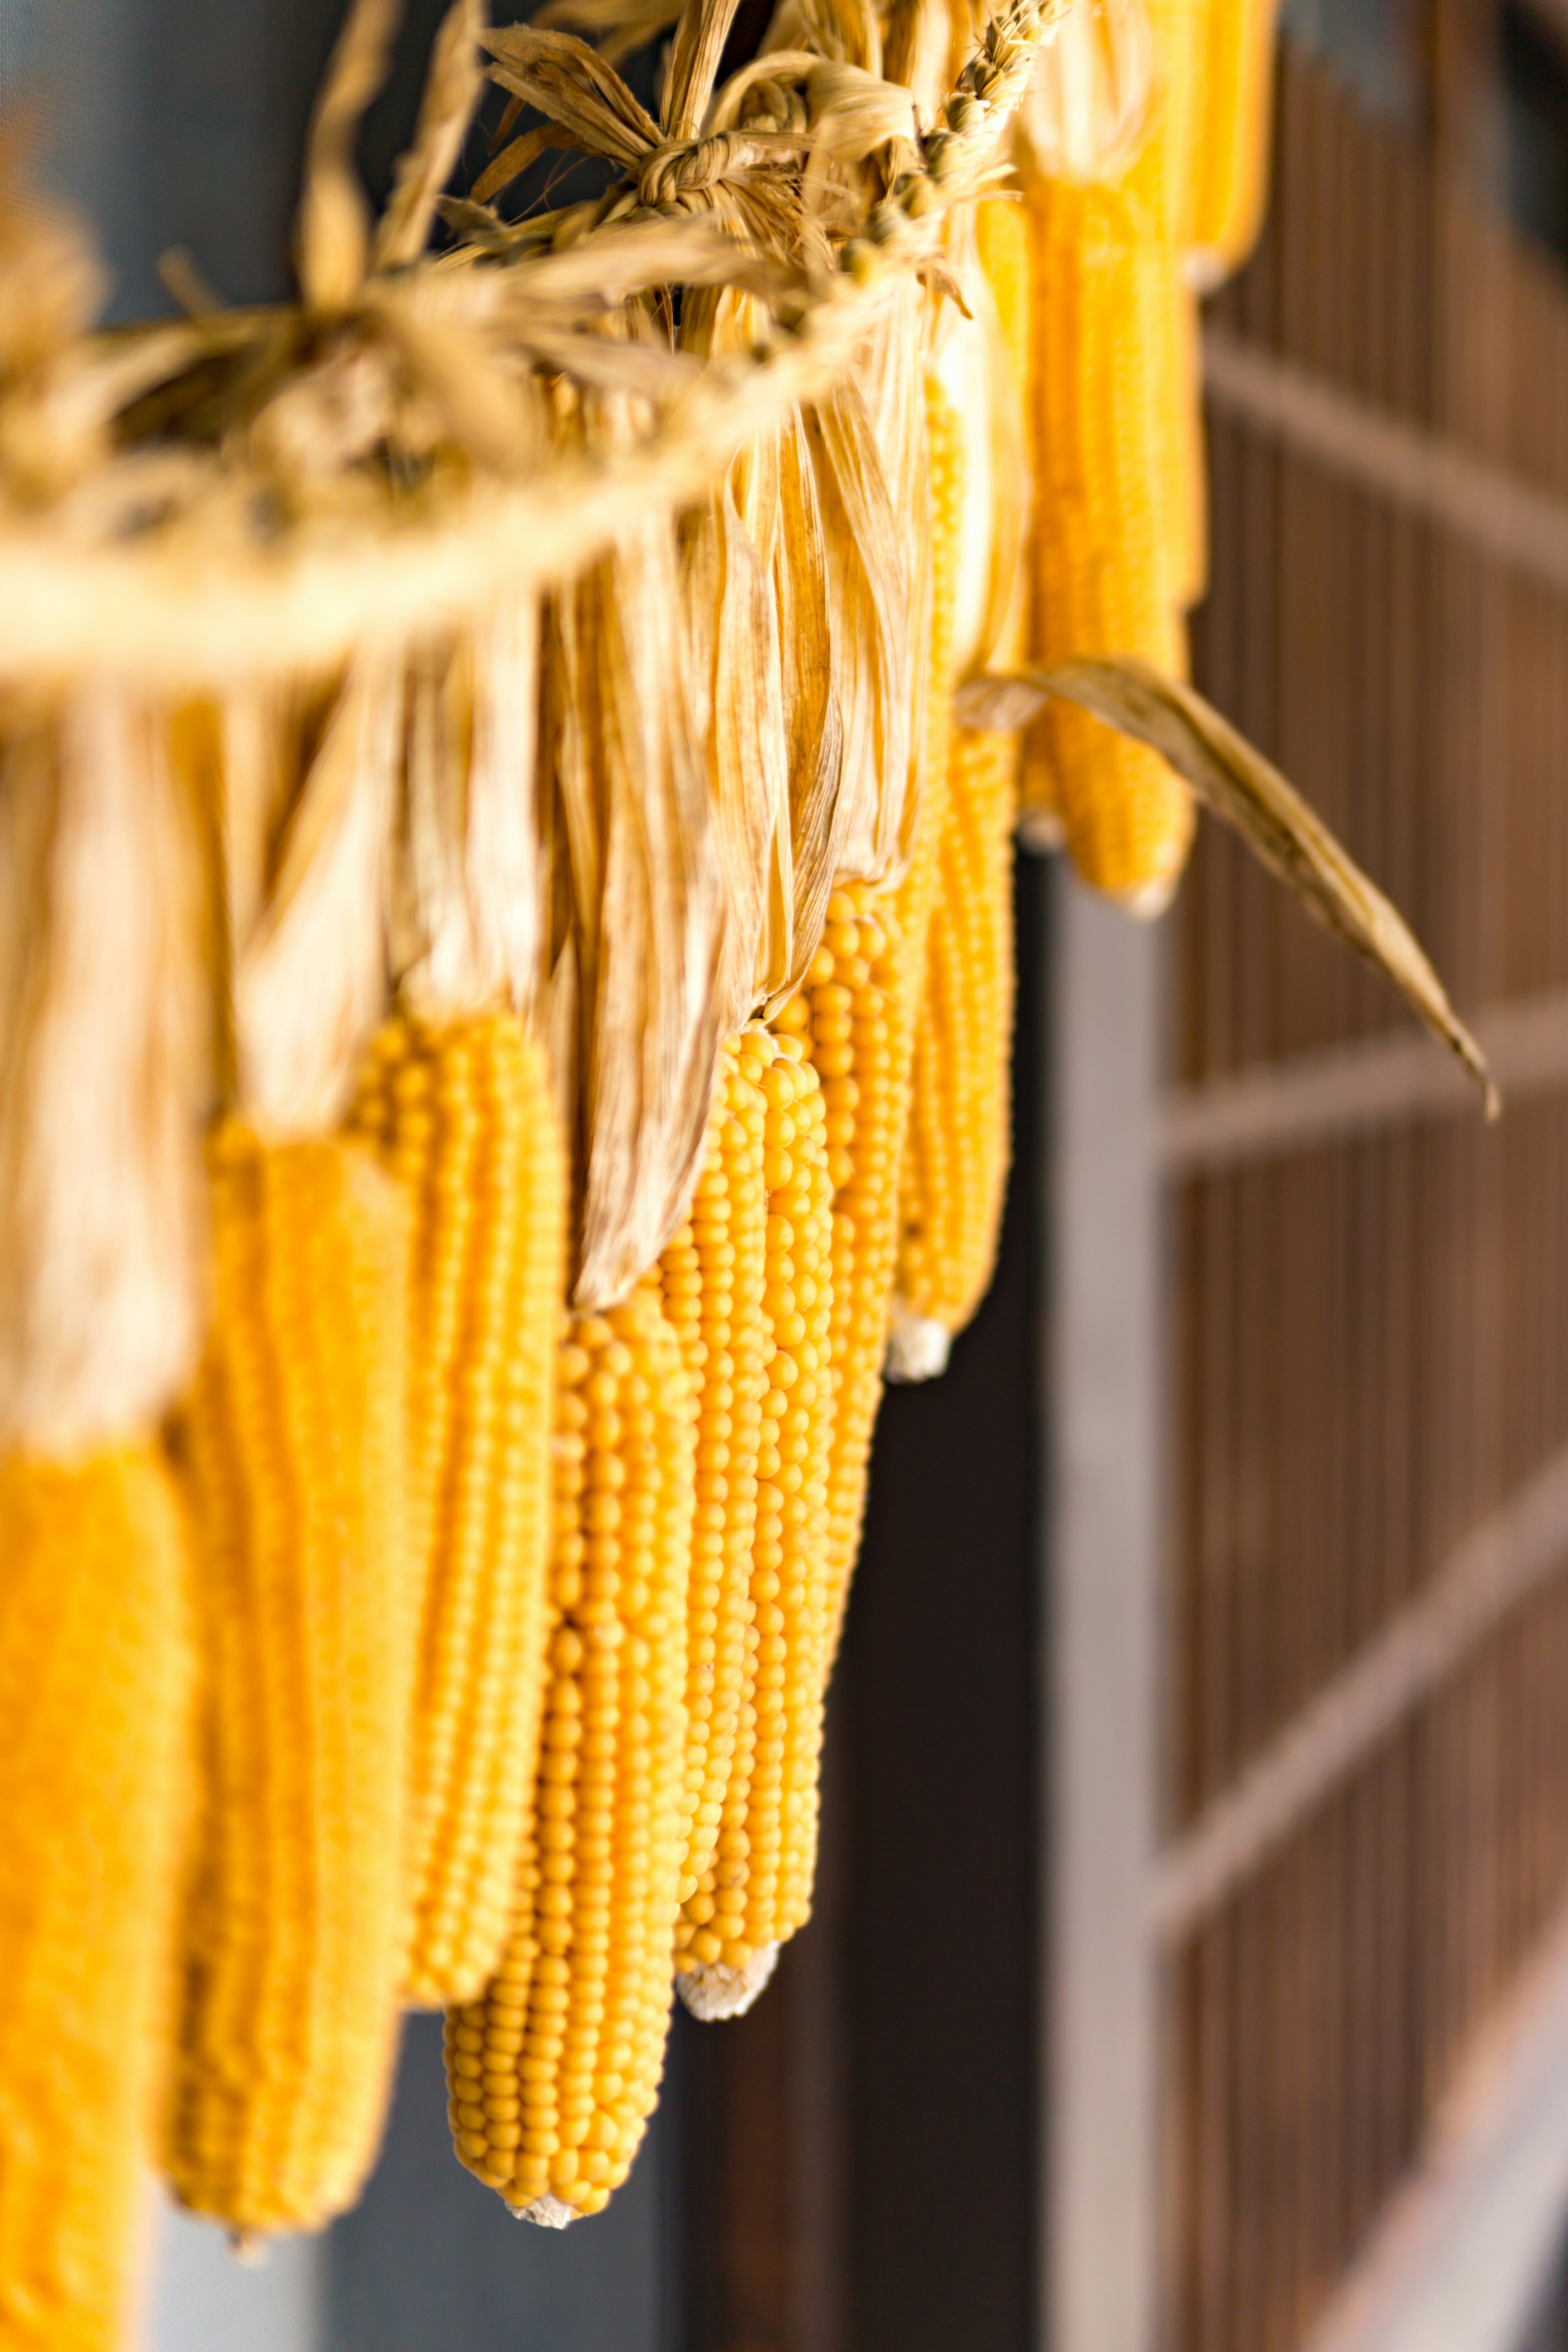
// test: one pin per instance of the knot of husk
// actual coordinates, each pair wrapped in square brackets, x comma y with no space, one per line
[687,166]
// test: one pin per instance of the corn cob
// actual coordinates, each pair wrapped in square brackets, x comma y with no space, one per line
[296,1931]
[1002,239]
[553,2071]
[766,1849]
[712,1279]
[849,1018]
[459,1112]
[1230,178]
[1102,583]
[94,1684]
[955,1158]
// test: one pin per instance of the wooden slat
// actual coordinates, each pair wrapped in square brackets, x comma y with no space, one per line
[1505,1558]
[1301,1102]
[1517,523]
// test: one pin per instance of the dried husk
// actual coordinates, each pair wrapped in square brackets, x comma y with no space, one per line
[468,914]
[868,589]
[737,707]
[103,1072]
[1088,107]
[636,846]
[776,488]
[1245,789]
[310,981]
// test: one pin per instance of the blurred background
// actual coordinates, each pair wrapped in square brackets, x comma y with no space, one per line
[1190,1967]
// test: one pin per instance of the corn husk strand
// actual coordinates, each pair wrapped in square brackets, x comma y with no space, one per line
[640,862]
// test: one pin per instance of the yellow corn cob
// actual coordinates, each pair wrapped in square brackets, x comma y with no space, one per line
[1001,240]
[553,2071]
[1102,583]
[712,1279]
[849,1017]
[916,892]
[1236,59]
[459,1111]
[94,1685]
[766,1849]
[297,1925]
[955,1158]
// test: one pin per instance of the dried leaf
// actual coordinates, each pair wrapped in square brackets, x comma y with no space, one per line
[647,902]
[312,983]
[451,92]
[869,596]
[1240,785]
[332,234]
[776,490]
[737,708]
[700,40]
[104,1075]
[570,83]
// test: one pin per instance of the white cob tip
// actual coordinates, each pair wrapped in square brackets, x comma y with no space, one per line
[1041,832]
[547,2212]
[918,1347]
[1149,900]
[715,1991]
[1205,268]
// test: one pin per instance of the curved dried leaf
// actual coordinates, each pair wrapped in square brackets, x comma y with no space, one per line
[332,234]
[445,109]
[1252,796]
[570,83]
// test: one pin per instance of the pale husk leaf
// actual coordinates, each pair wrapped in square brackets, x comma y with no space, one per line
[1087,109]
[869,592]
[647,904]
[310,983]
[103,1073]
[737,707]
[466,916]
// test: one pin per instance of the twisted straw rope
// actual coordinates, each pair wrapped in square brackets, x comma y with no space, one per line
[186,609]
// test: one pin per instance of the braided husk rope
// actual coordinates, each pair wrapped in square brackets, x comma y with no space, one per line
[151,532]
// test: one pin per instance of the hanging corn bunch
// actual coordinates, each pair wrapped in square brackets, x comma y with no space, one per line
[547,661]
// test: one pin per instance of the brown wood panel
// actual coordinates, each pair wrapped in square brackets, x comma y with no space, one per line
[1368,1345]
